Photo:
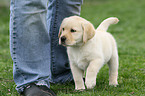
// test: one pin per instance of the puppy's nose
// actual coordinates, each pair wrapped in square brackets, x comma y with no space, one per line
[63,38]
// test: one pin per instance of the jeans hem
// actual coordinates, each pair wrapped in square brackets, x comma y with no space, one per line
[39,83]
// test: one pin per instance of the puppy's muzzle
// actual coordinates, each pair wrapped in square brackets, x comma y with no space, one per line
[63,39]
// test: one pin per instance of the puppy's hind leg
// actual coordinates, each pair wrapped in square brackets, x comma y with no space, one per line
[113,69]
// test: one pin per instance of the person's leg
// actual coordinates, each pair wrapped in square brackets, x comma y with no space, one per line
[29,42]
[57,11]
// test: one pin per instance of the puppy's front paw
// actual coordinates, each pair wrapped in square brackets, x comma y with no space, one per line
[90,84]
[80,89]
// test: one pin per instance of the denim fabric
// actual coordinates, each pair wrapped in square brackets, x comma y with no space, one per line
[57,11]
[36,55]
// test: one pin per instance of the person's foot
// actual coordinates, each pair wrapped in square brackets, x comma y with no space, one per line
[34,90]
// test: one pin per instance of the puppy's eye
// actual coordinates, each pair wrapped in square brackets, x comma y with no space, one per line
[72,30]
[62,29]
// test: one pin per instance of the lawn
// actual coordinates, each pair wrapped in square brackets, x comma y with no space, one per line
[129,34]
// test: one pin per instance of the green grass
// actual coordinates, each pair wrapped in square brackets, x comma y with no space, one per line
[129,34]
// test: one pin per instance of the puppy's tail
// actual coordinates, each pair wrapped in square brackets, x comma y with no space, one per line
[106,23]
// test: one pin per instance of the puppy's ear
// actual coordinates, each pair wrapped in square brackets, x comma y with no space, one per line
[89,31]
[60,31]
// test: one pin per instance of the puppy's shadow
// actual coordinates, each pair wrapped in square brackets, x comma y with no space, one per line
[66,88]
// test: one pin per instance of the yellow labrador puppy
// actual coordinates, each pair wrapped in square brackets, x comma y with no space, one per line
[89,49]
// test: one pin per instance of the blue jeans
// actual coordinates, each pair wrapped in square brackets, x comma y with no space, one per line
[37,57]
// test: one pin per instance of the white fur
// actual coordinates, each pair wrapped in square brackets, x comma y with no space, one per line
[92,55]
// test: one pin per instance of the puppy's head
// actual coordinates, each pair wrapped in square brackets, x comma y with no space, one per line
[75,31]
